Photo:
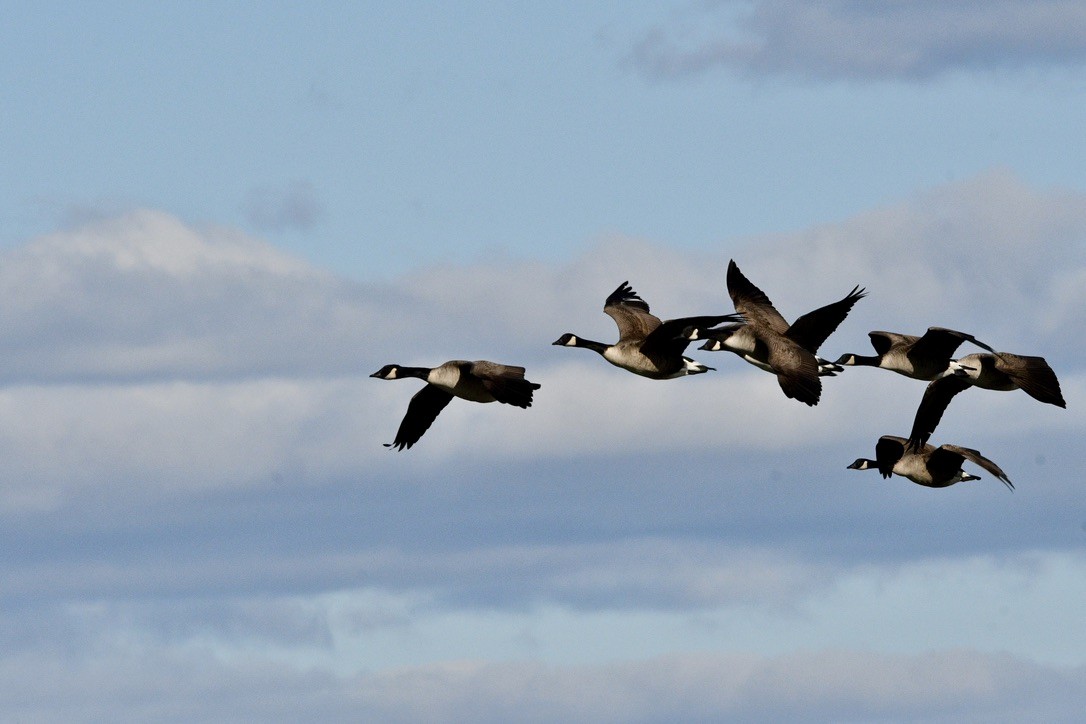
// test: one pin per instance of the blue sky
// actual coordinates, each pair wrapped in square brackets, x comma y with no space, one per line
[219,218]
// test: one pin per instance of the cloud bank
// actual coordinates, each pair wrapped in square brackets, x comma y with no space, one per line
[856,40]
[199,516]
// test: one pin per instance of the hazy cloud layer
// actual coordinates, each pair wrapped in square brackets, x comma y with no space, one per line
[194,482]
[853,39]
[140,349]
[145,297]
[834,685]
[824,686]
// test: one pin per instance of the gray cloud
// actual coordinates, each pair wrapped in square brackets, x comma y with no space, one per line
[234,365]
[143,297]
[193,470]
[823,686]
[859,40]
[120,682]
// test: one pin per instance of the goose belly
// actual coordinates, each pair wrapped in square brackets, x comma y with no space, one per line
[922,369]
[899,362]
[745,344]
[473,390]
[632,360]
[913,468]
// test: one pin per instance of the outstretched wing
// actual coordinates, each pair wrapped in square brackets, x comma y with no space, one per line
[423,409]
[672,337]
[630,312]
[752,303]
[883,341]
[812,329]
[940,342]
[1033,375]
[937,396]
[974,456]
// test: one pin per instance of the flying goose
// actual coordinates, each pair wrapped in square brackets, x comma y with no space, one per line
[934,467]
[922,358]
[478,381]
[646,346]
[768,342]
[999,371]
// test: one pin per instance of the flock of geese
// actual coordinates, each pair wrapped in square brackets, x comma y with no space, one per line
[758,333]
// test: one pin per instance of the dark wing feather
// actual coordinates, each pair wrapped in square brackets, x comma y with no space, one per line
[752,302]
[1033,375]
[505,382]
[941,343]
[797,370]
[624,294]
[883,341]
[671,337]
[943,462]
[630,312]
[937,396]
[888,450]
[812,329]
[974,456]
[425,406]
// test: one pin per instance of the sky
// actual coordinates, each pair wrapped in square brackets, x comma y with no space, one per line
[218,219]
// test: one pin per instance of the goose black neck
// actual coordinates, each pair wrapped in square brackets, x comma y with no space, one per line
[860,360]
[592,345]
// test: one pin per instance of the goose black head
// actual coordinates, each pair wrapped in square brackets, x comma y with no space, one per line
[388,372]
[566,340]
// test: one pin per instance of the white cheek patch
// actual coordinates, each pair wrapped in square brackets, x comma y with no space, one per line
[572,342]
[391,374]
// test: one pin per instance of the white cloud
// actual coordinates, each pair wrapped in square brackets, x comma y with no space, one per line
[145,296]
[165,438]
[819,686]
[990,255]
[143,351]
[858,40]
[979,639]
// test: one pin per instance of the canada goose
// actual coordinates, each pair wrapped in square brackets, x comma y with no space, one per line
[1000,371]
[767,340]
[934,467]
[646,346]
[478,381]
[741,340]
[922,358]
